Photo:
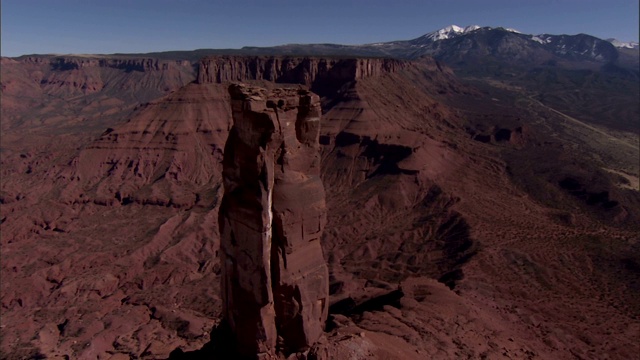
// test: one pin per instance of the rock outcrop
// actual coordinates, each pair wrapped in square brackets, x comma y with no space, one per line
[74,62]
[295,70]
[274,277]
[36,78]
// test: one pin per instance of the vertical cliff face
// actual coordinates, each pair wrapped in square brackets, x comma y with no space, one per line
[296,70]
[274,277]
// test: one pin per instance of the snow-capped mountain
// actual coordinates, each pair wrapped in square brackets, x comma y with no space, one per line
[476,48]
[474,44]
[448,32]
[621,44]
[453,31]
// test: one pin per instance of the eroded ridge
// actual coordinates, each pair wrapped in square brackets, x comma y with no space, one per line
[274,277]
[316,72]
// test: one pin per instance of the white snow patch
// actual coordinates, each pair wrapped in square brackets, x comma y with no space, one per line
[622,44]
[537,39]
[542,38]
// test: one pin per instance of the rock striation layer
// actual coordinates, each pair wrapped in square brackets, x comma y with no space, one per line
[274,277]
[295,70]
[71,62]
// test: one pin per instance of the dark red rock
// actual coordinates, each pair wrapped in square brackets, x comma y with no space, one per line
[98,262]
[274,276]
[296,70]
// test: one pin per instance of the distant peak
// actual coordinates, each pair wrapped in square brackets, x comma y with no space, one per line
[449,32]
[621,44]
[455,30]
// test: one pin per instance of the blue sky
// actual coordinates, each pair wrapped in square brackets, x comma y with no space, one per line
[109,26]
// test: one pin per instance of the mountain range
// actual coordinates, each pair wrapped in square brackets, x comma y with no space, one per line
[501,41]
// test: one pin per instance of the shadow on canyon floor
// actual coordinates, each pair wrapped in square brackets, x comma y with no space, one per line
[221,346]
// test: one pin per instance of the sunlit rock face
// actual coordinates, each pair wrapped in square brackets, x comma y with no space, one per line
[274,276]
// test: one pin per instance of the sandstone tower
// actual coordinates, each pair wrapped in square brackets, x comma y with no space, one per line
[274,278]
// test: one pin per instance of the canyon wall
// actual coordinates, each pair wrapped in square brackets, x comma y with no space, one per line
[71,62]
[295,70]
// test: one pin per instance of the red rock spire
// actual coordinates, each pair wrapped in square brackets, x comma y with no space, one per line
[274,277]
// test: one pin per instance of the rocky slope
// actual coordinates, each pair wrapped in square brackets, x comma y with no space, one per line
[41,94]
[426,179]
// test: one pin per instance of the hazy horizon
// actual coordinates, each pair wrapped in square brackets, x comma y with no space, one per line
[75,27]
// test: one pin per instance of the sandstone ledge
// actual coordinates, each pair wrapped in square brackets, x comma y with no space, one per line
[296,70]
